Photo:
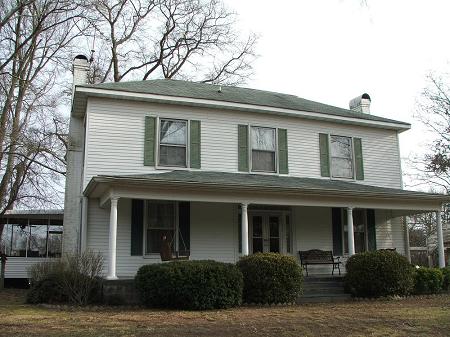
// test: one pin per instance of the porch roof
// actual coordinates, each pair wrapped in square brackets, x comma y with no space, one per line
[260,183]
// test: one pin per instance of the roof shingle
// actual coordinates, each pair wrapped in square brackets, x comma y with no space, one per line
[178,88]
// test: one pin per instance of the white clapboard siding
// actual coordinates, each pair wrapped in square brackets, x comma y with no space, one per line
[390,232]
[213,232]
[17,267]
[116,136]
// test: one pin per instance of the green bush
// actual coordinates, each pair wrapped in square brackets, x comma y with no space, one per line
[270,278]
[446,274]
[428,280]
[75,279]
[194,285]
[379,273]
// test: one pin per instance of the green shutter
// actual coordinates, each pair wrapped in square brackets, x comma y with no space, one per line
[371,232]
[324,155]
[336,221]
[282,152]
[359,166]
[195,147]
[149,141]
[243,148]
[184,226]
[137,226]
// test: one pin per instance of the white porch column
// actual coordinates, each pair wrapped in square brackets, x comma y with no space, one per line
[351,236]
[440,240]
[244,229]
[112,240]
[407,246]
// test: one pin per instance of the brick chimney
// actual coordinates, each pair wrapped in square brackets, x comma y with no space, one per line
[361,104]
[80,70]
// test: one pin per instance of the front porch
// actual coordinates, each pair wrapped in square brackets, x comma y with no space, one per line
[223,220]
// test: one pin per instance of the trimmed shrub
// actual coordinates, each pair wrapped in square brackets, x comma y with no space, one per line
[446,282]
[194,285]
[75,278]
[270,278]
[379,273]
[428,280]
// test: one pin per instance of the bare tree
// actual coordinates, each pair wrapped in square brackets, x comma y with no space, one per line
[34,40]
[184,39]
[433,111]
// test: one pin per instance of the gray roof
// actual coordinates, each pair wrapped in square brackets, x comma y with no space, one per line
[177,88]
[244,180]
[34,214]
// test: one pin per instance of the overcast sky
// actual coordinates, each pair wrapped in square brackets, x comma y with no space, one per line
[333,50]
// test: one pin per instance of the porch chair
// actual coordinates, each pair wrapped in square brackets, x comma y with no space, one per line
[166,250]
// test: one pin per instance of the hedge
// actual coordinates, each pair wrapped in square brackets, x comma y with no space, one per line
[446,282]
[428,280]
[379,273]
[194,285]
[270,278]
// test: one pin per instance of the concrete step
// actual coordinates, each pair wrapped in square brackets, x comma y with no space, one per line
[323,291]
[325,298]
[323,279]
[324,285]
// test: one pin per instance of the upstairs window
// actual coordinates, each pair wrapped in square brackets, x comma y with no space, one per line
[263,141]
[173,143]
[341,157]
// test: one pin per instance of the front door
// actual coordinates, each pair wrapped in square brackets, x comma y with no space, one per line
[265,233]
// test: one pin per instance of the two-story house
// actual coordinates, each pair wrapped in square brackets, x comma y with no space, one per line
[216,172]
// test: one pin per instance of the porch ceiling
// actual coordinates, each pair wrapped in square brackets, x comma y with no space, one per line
[259,188]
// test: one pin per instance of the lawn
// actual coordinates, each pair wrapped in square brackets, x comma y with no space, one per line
[410,317]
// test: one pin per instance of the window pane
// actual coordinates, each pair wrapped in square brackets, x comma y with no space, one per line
[5,243]
[172,156]
[341,147]
[257,245]
[263,161]
[55,241]
[173,132]
[274,227]
[19,241]
[263,139]
[161,215]
[161,222]
[274,245]
[342,167]
[341,157]
[257,226]
[38,241]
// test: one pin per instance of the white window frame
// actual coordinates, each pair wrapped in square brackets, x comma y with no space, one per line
[331,158]
[145,227]
[251,149]
[158,143]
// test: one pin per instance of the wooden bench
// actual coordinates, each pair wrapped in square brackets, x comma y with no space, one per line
[317,256]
